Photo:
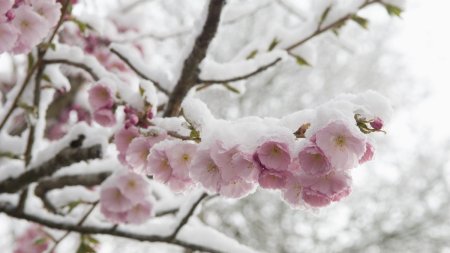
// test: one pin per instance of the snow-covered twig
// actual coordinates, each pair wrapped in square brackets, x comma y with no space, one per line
[64,158]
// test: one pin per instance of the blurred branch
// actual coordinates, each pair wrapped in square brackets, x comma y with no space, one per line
[74,64]
[338,22]
[64,158]
[190,71]
[188,215]
[9,209]
[138,72]
[87,180]
[206,83]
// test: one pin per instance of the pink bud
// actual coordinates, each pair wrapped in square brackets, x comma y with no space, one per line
[377,123]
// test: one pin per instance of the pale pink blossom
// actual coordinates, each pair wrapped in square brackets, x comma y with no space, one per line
[236,188]
[5,6]
[100,96]
[204,170]
[137,153]
[272,179]
[122,139]
[125,198]
[158,165]
[341,145]
[313,162]
[32,28]
[34,240]
[368,155]
[320,191]
[274,155]
[49,10]
[140,212]
[105,117]
[8,37]
[180,156]
[293,191]
[114,199]
[132,186]
[139,150]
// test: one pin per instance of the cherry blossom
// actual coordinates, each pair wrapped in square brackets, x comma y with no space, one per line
[342,145]
[34,240]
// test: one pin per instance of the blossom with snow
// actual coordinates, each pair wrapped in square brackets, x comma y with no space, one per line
[169,161]
[125,198]
[342,144]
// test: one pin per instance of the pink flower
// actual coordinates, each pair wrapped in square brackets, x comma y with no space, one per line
[114,199]
[313,162]
[34,240]
[124,198]
[139,150]
[105,117]
[32,27]
[5,6]
[204,170]
[315,198]
[342,146]
[49,10]
[132,186]
[122,139]
[274,155]
[158,165]
[180,156]
[139,213]
[137,154]
[377,123]
[368,155]
[237,188]
[320,191]
[8,37]
[100,96]
[272,179]
[293,191]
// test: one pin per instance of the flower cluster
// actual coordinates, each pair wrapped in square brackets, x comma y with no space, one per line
[34,240]
[25,23]
[125,198]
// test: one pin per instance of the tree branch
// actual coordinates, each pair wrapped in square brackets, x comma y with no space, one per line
[239,78]
[64,158]
[9,209]
[37,65]
[321,30]
[190,72]
[74,64]
[188,215]
[47,185]
[139,73]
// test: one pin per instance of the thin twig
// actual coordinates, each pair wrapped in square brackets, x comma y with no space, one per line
[74,64]
[321,30]
[64,158]
[82,220]
[186,218]
[139,73]
[239,78]
[9,209]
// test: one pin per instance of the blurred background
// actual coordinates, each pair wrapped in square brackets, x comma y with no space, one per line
[400,200]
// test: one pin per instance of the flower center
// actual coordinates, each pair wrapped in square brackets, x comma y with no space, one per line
[340,141]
